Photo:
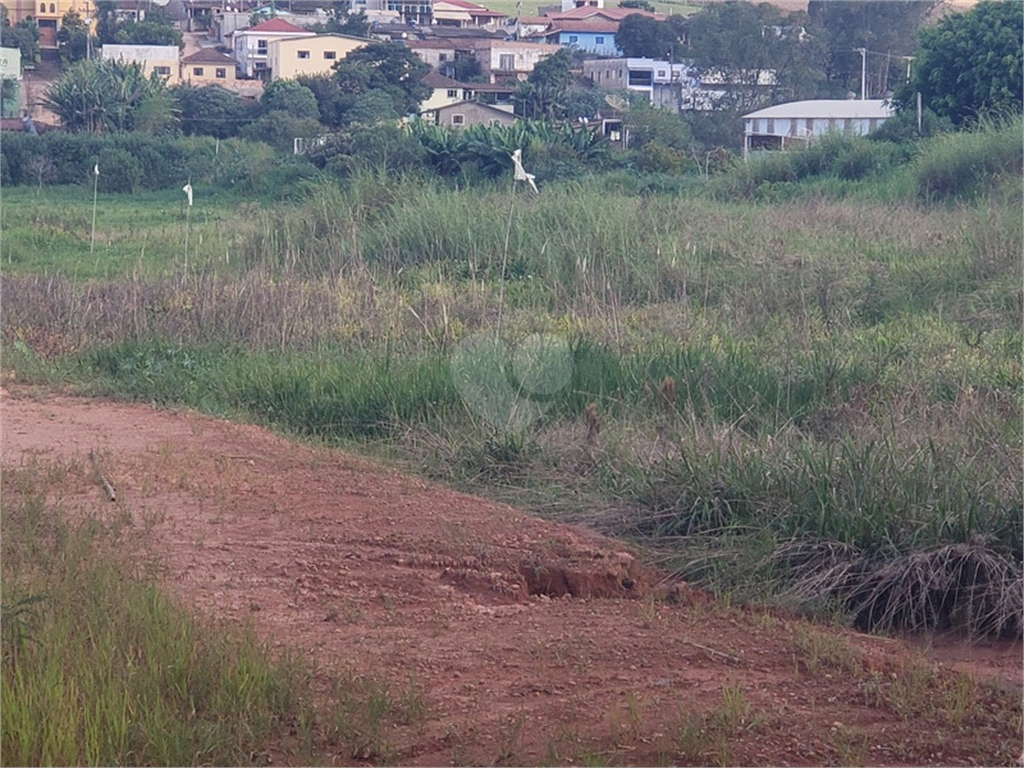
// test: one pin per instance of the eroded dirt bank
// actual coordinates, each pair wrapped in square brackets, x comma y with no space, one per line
[528,641]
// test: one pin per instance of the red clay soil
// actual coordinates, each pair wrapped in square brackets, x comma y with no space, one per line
[530,641]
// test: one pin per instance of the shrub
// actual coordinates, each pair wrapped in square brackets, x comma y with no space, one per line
[280,129]
[962,165]
[120,171]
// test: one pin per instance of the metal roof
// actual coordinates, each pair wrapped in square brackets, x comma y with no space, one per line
[826,108]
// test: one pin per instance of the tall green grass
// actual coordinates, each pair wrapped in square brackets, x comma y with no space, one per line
[100,668]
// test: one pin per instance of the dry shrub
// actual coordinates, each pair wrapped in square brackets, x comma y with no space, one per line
[964,586]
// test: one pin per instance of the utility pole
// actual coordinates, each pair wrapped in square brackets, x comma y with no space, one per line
[909,60]
[863,72]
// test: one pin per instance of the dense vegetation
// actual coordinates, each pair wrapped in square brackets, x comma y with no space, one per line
[802,376]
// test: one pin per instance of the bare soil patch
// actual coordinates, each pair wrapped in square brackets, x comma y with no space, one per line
[530,641]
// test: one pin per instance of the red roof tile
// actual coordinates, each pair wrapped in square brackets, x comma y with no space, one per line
[276,25]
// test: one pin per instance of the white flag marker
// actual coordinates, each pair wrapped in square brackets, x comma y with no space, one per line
[520,172]
[187,189]
[96,169]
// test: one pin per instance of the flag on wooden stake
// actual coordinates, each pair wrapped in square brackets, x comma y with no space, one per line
[520,172]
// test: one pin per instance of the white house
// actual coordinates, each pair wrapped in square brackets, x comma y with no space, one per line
[795,123]
[251,46]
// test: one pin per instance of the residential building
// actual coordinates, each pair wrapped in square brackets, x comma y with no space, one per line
[594,35]
[309,55]
[494,94]
[10,76]
[251,46]
[444,91]
[568,5]
[677,86]
[438,53]
[412,12]
[667,85]
[796,123]
[509,60]
[208,67]
[162,59]
[606,14]
[462,13]
[225,23]
[48,14]
[466,113]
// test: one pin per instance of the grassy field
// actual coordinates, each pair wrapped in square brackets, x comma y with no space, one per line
[791,390]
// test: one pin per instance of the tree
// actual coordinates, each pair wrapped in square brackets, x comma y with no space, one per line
[24,35]
[342,22]
[970,65]
[148,33]
[887,29]
[641,5]
[758,54]
[106,21]
[372,107]
[210,111]
[99,95]
[540,95]
[388,66]
[292,97]
[641,36]
[330,100]
[280,129]
[72,38]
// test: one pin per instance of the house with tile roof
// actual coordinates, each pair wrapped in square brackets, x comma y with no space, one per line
[208,66]
[509,60]
[591,35]
[462,13]
[465,113]
[251,46]
[444,91]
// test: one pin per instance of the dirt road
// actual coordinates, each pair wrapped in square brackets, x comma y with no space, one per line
[530,641]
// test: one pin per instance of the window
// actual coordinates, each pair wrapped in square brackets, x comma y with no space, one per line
[771,125]
[330,54]
[162,70]
[458,119]
[661,73]
[574,38]
[599,40]
[197,71]
[506,62]
[452,93]
[221,72]
[442,57]
[52,8]
[42,7]
[303,54]
[261,46]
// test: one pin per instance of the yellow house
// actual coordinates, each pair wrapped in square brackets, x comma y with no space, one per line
[48,14]
[162,59]
[208,67]
[290,57]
